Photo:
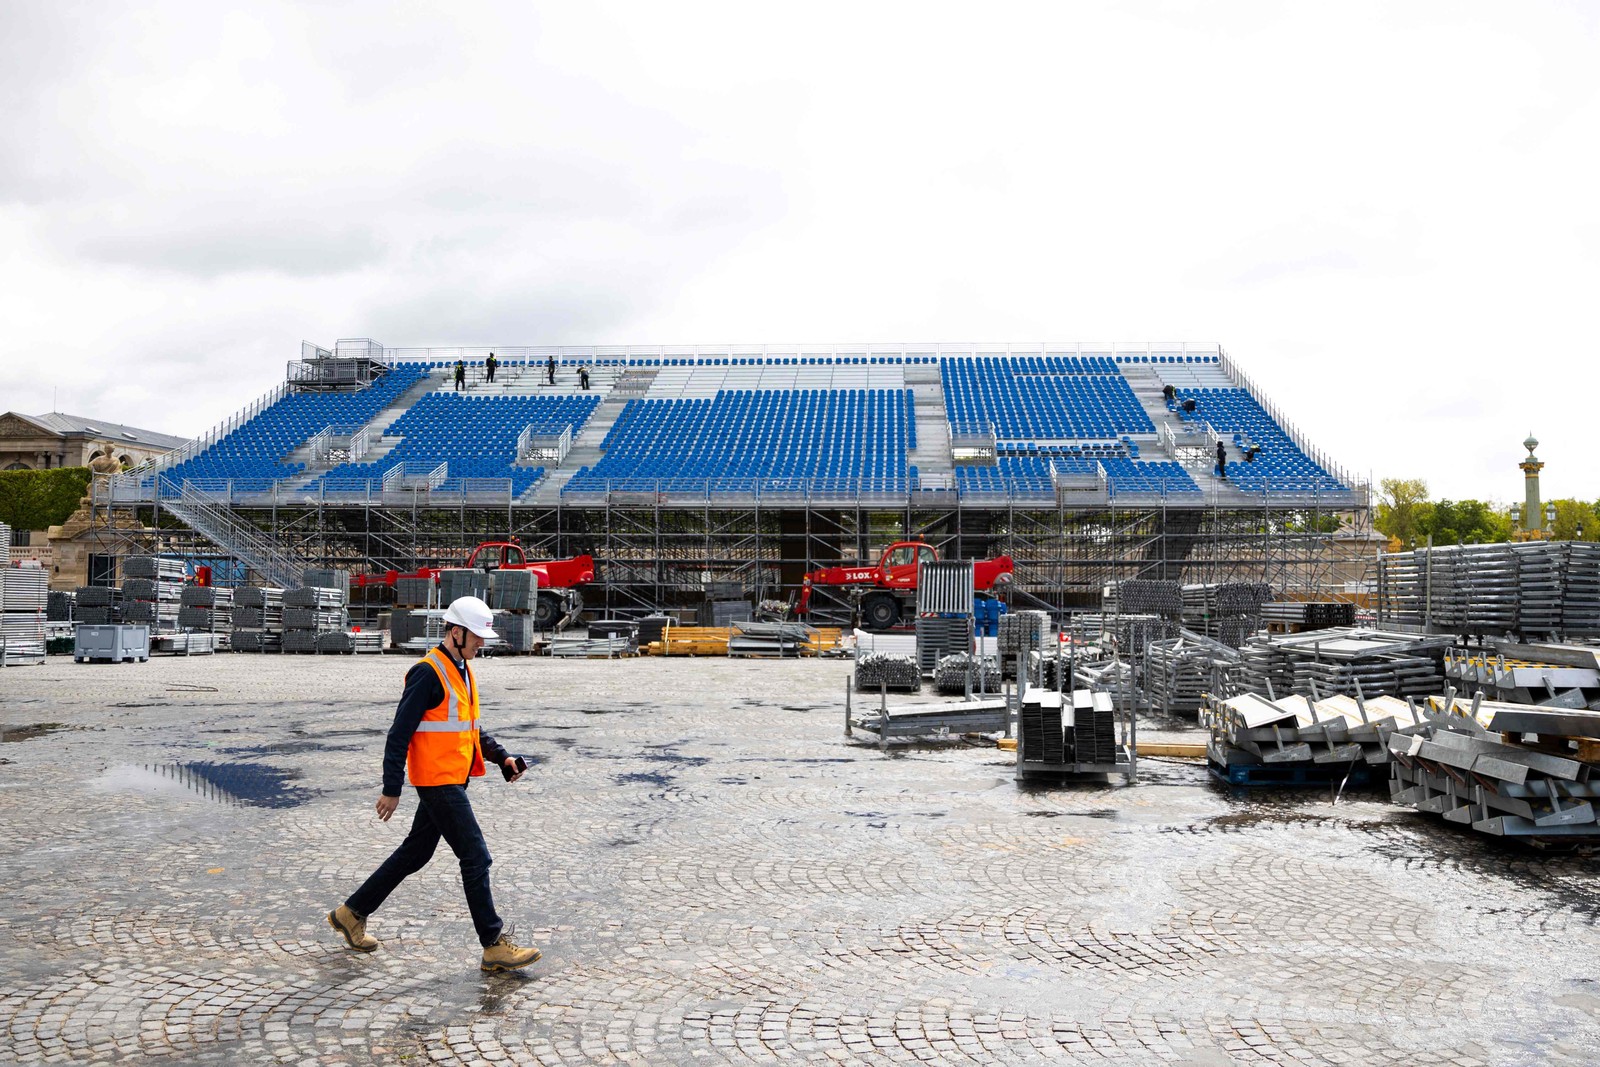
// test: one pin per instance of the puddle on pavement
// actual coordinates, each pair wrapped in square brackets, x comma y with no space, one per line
[28,733]
[254,785]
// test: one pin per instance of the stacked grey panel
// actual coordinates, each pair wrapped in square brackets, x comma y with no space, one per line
[414,592]
[186,644]
[151,591]
[327,578]
[311,611]
[939,637]
[416,629]
[1466,764]
[160,567]
[955,672]
[60,606]
[516,631]
[722,613]
[22,624]
[514,590]
[207,608]
[1250,730]
[257,619]
[345,641]
[457,582]
[887,670]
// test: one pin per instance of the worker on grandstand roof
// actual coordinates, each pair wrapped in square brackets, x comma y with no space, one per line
[435,740]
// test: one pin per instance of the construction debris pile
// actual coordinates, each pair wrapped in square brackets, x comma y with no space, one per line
[1509,770]
[1535,589]
[887,670]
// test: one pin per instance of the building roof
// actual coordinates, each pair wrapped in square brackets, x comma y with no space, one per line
[79,426]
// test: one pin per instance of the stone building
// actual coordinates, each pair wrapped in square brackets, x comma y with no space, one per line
[41,442]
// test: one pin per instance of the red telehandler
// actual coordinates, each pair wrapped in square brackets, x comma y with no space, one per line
[888,592]
[559,600]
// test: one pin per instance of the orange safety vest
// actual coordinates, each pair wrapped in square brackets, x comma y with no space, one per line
[444,750]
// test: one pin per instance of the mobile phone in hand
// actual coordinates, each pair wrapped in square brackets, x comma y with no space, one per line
[509,774]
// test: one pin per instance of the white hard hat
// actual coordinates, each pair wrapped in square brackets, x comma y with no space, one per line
[472,613]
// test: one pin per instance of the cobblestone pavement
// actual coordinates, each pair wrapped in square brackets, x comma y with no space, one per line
[717,876]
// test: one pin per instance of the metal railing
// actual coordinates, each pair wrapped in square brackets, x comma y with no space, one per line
[218,432]
[1302,442]
[340,444]
[205,510]
[412,475]
[544,443]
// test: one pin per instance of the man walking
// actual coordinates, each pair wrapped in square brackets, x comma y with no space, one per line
[1222,461]
[435,738]
[550,368]
[489,365]
[461,375]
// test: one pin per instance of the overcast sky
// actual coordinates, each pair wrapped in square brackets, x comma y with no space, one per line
[1387,213]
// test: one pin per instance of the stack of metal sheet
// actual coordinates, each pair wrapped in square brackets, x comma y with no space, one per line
[257,619]
[22,625]
[345,641]
[1251,730]
[887,670]
[750,638]
[514,590]
[1093,727]
[457,582]
[60,606]
[957,672]
[1469,764]
[99,605]
[417,592]
[1042,725]
[309,612]
[583,646]
[208,608]
[417,629]
[328,578]
[153,601]
[939,637]
[1310,615]
[193,643]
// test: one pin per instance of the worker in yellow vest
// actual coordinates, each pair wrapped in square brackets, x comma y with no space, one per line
[436,739]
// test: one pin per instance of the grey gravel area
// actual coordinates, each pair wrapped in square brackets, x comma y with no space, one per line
[716,875]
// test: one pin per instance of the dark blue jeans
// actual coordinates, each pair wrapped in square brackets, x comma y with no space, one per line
[442,811]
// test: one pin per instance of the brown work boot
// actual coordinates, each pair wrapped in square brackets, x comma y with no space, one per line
[505,955]
[353,928]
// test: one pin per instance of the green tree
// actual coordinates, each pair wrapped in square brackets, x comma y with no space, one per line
[1572,514]
[1404,510]
[35,500]
[1459,522]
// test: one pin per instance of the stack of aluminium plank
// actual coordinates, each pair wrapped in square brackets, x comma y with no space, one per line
[257,619]
[1341,660]
[1509,770]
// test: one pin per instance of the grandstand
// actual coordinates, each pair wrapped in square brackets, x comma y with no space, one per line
[815,433]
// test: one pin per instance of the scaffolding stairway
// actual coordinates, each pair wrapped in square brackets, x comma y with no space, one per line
[218,523]
[932,457]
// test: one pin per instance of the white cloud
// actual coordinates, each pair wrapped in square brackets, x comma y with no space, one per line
[1384,212]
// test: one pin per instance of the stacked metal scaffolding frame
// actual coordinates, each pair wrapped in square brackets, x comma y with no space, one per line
[1535,589]
[651,557]
[24,594]
[258,619]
